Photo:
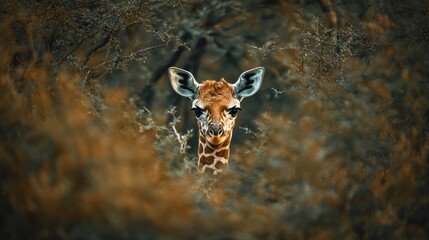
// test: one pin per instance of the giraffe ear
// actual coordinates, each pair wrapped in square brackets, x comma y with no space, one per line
[183,82]
[249,82]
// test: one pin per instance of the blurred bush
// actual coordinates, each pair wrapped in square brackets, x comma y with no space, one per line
[337,147]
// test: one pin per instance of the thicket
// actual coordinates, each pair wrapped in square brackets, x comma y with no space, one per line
[95,144]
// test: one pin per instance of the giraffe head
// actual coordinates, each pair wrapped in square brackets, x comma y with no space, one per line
[216,104]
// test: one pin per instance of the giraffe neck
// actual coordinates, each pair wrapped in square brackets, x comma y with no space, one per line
[213,157]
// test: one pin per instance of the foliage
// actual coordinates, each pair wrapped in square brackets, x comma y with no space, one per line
[91,147]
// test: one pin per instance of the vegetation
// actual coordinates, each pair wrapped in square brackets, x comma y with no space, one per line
[95,144]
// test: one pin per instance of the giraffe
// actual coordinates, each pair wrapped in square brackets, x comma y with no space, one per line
[215,104]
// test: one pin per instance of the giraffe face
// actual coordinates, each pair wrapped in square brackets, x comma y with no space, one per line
[216,104]
[216,109]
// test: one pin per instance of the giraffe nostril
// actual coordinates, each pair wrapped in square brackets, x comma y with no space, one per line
[220,132]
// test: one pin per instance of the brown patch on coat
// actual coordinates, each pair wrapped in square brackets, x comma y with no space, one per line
[207,160]
[223,153]
[208,150]
[219,165]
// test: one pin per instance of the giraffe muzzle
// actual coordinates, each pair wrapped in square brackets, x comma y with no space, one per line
[216,130]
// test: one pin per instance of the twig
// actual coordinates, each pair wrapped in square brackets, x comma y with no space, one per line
[182,140]
[78,45]
[130,56]
[93,109]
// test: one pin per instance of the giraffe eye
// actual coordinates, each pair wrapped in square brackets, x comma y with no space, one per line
[233,111]
[198,111]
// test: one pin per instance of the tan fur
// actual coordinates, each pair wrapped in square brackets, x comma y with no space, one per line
[216,97]
[211,90]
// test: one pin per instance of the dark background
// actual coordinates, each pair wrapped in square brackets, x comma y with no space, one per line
[95,144]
